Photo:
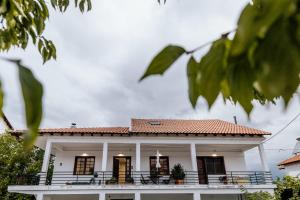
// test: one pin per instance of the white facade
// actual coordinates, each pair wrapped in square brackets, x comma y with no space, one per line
[293,170]
[178,149]
[291,166]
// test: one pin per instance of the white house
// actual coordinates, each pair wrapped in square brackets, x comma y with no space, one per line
[136,163]
[291,166]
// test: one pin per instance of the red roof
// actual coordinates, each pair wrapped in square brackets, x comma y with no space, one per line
[162,126]
[291,160]
[191,127]
[96,130]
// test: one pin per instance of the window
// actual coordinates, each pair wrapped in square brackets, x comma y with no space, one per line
[164,165]
[84,165]
[215,165]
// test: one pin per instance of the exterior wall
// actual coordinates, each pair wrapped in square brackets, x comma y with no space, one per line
[67,160]
[234,161]
[293,170]
[220,197]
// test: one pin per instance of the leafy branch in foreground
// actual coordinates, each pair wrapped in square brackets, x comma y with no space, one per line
[25,19]
[21,20]
[32,91]
[261,62]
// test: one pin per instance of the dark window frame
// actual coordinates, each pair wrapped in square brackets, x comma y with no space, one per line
[85,163]
[214,157]
[167,172]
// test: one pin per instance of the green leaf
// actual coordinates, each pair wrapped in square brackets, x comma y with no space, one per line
[32,91]
[278,61]
[54,3]
[212,70]
[81,5]
[163,60]
[40,45]
[89,3]
[255,21]
[192,72]
[240,78]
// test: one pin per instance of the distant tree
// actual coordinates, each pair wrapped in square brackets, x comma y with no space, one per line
[260,62]
[14,163]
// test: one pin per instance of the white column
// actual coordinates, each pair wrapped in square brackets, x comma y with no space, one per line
[137,196]
[263,157]
[47,155]
[194,157]
[194,175]
[138,157]
[39,196]
[104,156]
[102,196]
[196,196]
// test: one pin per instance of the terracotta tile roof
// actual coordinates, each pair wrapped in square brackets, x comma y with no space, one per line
[95,130]
[161,126]
[191,127]
[291,160]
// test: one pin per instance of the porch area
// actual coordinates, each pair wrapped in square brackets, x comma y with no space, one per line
[147,164]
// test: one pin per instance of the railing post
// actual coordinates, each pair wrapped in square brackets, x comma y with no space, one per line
[256,179]
[103,174]
[231,178]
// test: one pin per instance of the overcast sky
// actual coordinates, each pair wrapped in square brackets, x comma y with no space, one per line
[103,53]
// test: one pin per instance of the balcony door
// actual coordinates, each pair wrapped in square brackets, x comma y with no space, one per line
[122,168]
[210,165]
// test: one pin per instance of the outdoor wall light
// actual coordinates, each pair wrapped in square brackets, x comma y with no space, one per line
[214,154]
[120,154]
[85,154]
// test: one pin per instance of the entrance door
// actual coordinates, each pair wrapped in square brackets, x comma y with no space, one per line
[122,168]
[202,173]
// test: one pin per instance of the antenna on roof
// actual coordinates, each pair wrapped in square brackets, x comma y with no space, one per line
[73,125]
[235,120]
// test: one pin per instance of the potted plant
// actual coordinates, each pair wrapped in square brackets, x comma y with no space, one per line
[129,180]
[178,174]
[112,180]
[93,180]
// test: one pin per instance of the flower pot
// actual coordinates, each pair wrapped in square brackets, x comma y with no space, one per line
[179,182]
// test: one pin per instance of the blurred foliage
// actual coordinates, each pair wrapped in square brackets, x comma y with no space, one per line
[22,22]
[261,62]
[288,188]
[14,162]
[259,196]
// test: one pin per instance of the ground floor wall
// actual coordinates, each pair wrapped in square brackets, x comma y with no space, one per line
[146,197]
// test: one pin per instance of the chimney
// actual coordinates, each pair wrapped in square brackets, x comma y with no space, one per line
[235,120]
[73,125]
[297,147]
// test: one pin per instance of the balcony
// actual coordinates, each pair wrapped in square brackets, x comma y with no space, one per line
[144,178]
